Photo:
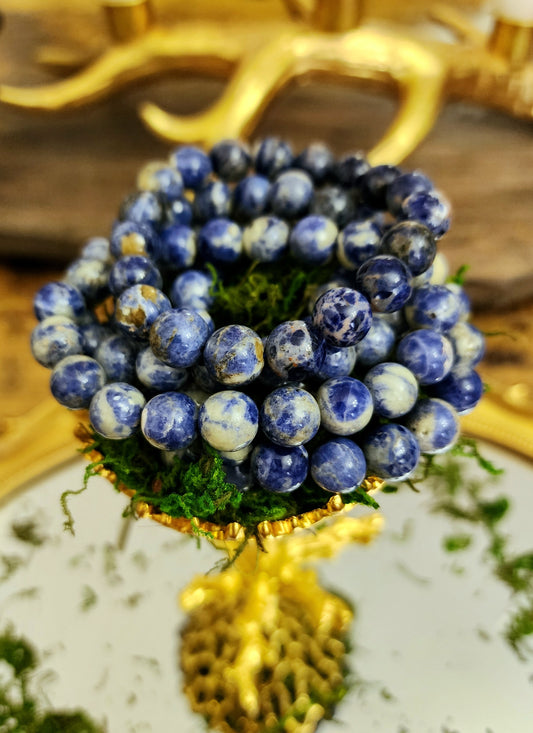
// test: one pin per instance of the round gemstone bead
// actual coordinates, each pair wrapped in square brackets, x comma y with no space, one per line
[434,424]
[117,355]
[462,388]
[212,200]
[429,208]
[234,355]
[132,238]
[291,194]
[54,338]
[90,277]
[350,168]
[334,202]
[115,410]
[345,405]
[178,336]
[405,185]
[75,380]
[373,184]
[313,239]
[193,164]
[377,345]
[342,316]
[392,452]
[228,420]
[178,211]
[92,335]
[433,306]
[178,246]
[251,197]
[413,243]
[230,159]
[293,350]
[427,353]
[156,375]
[358,242]
[160,177]
[317,160]
[463,301]
[386,282]
[133,270]
[272,156]
[265,239]
[337,362]
[280,469]
[338,466]
[192,289]
[96,248]
[168,421]
[468,345]
[58,299]
[220,240]
[393,387]
[290,416]
[143,207]
[137,308]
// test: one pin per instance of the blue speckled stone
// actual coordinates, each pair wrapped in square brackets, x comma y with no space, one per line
[97,248]
[293,350]
[405,185]
[58,299]
[427,353]
[191,290]
[231,159]
[468,345]
[386,282]
[75,380]
[132,238]
[212,200]
[178,246]
[463,389]
[160,177]
[178,336]
[115,411]
[208,320]
[334,202]
[413,243]
[272,156]
[234,355]
[345,405]
[377,345]
[291,194]
[193,164]
[289,416]
[350,168]
[342,316]
[137,308]
[228,420]
[156,375]
[313,239]
[430,208]
[179,211]
[220,240]
[251,197]
[143,207]
[393,387]
[392,452]
[280,469]
[337,362]
[358,242]
[434,424]
[373,184]
[90,277]
[168,421]
[266,238]
[92,336]
[317,160]
[463,301]
[433,306]
[117,355]
[338,466]
[54,338]
[133,270]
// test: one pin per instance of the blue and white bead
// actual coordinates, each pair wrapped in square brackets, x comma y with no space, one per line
[178,246]
[462,299]
[280,469]
[117,355]
[97,248]
[209,322]
[338,466]
[228,420]
[346,405]
[160,177]
[178,337]
[212,200]
[53,339]
[272,156]
[143,207]
[133,238]
[392,452]
[405,185]
[156,375]
[386,282]
[115,411]
[334,202]
[231,159]
[435,425]
[430,208]
[426,353]
[433,306]
[251,197]
[358,242]
[317,160]
[137,308]
[342,316]
[313,239]
[290,416]
[266,238]
[133,270]
[192,289]
[179,211]
[75,380]
[169,421]
[413,243]
[234,355]
[393,387]
[58,299]
[291,194]
[220,240]
[193,164]
[90,277]
[462,388]
[337,362]
[293,350]
[378,344]
[468,345]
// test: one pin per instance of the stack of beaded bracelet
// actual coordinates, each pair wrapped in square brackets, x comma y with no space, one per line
[369,368]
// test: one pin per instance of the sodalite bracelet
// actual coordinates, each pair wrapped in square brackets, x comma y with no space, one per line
[330,395]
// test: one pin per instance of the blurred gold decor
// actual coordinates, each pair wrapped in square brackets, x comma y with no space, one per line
[423,63]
